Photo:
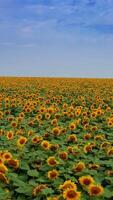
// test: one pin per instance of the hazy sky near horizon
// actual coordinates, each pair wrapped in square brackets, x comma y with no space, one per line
[56,38]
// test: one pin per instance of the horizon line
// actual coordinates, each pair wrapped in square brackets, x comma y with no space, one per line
[59,77]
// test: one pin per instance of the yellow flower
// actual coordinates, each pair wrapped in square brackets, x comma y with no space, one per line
[86,180]
[68,185]
[56,131]
[95,190]
[71,194]
[53,174]
[72,126]
[87,148]
[63,155]
[21,141]
[38,189]
[10,135]
[51,161]
[54,122]
[79,167]
[36,139]
[14,124]
[45,144]
[13,163]
[3,178]
[110,151]
[72,138]
[7,156]
[3,168]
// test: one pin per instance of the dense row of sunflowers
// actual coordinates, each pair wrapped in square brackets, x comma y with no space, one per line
[56,139]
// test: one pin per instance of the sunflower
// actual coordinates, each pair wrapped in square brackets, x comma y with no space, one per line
[95,190]
[94,166]
[71,194]
[80,166]
[53,174]
[3,178]
[72,138]
[86,180]
[1,132]
[54,147]
[14,124]
[72,126]
[94,128]
[87,148]
[51,161]
[7,156]
[110,151]
[63,155]
[99,137]
[110,172]
[38,189]
[70,149]
[45,144]
[30,132]
[87,136]
[63,130]
[56,131]
[36,139]
[21,141]
[54,122]
[68,185]
[1,159]
[105,144]
[13,163]
[10,135]
[3,168]
[47,116]
[50,110]
[77,112]
[57,116]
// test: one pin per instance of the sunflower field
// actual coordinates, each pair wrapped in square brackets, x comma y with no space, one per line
[56,139]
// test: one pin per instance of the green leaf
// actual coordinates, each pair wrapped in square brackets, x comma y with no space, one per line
[47,191]
[26,189]
[24,165]
[3,195]
[33,173]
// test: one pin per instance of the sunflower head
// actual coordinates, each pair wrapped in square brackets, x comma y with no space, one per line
[95,190]
[110,151]
[68,185]
[72,138]
[80,166]
[72,126]
[37,139]
[10,135]
[7,156]
[13,163]
[14,124]
[45,144]
[38,189]
[86,180]
[53,174]
[51,161]
[56,131]
[21,141]
[87,148]
[63,155]
[3,178]
[71,194]
[3,168]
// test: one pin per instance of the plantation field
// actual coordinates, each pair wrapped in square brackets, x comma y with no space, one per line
[56,139]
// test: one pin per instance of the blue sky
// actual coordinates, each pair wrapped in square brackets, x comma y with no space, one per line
[56,38]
